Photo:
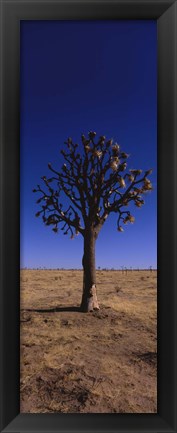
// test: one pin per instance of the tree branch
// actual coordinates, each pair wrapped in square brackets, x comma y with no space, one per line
[94,181]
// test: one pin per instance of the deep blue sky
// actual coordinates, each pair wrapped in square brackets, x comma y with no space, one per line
[78,76]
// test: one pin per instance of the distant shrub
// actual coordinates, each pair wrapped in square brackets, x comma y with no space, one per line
[118,289]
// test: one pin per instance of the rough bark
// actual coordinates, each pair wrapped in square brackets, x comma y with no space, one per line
[89,297]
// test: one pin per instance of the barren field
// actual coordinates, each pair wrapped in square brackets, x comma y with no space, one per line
[101,362]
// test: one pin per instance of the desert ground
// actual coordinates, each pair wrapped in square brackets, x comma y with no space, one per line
[100,362]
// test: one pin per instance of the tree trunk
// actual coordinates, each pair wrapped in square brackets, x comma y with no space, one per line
[89,297]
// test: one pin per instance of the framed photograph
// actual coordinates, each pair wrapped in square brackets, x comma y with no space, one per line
[88,120]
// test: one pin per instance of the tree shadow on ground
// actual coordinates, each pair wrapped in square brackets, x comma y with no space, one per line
[54,309]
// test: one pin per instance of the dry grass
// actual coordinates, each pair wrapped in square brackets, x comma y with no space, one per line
[97,362]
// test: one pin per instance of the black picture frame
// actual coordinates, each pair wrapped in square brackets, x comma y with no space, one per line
[12,12]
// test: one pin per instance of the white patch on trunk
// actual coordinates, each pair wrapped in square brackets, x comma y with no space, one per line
[93,301]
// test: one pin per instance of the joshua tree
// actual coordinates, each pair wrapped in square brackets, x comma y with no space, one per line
[96,183]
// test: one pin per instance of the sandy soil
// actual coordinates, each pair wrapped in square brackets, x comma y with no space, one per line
[101,362]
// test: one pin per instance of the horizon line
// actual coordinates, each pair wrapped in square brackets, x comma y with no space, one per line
[122,268]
